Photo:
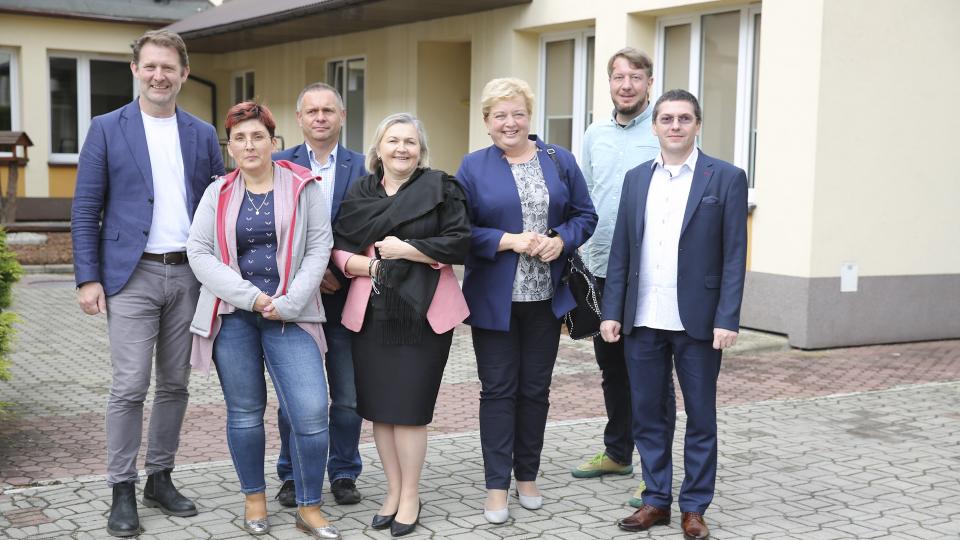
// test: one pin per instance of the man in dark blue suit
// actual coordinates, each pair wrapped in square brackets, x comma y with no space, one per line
[674,287]
[142,171]
[320,114]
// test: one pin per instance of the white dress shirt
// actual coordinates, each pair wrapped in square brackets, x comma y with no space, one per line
[657,305]
[327,172]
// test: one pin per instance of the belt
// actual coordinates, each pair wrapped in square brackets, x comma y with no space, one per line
[174,257]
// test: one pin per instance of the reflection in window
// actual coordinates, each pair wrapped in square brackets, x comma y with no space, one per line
[676,57]
[348,77]
[63,105]
[718,97]
[110,86]
[6,92]
[558,93]
[243,87]
[755,76]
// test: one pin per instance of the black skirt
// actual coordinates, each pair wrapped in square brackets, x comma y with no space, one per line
[398,384]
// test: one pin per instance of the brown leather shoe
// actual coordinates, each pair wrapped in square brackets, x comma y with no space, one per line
[693,526]
[644,518]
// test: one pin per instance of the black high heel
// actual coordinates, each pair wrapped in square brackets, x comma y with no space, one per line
[382,522]
[402,529]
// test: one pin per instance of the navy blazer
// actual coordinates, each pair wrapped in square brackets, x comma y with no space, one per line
[115,180]
[494,207]
[712,256]
[349,167]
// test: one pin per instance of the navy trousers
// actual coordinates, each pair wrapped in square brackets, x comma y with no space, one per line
[651,355]
[618,434]
[515,369]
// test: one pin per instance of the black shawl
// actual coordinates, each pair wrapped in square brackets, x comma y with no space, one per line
[429,212]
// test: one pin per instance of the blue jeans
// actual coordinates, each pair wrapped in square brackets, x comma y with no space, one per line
[345,423]
[246,343]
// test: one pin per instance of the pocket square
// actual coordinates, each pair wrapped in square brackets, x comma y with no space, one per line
[709,199]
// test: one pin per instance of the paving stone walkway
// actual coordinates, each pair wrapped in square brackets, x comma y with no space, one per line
[845,443]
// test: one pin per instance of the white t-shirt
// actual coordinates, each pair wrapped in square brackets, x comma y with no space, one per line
[171,223]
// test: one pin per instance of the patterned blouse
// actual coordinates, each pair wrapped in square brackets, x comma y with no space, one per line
[257,242]
[532,282]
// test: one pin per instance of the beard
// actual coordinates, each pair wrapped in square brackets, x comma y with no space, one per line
[632,110]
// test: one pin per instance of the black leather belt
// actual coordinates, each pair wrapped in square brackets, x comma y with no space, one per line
[175,257]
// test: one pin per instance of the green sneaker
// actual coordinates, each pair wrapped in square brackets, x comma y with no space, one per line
[599,465]
[637,500]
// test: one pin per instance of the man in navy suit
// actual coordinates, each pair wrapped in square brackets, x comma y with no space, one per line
[674,287]
[320,114]
[141,173]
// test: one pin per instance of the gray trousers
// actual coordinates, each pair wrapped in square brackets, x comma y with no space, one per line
[152,313]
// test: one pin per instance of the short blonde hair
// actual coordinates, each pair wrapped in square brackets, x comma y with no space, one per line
[505,88]
[373,162]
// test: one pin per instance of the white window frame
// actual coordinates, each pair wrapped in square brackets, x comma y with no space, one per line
[233,85]
[83,100]
[741,149]
[346,103]
[14,92]
[578,125]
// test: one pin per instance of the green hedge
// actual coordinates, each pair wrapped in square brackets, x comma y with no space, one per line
[10,273]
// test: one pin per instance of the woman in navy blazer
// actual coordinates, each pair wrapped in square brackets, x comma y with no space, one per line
[529,211]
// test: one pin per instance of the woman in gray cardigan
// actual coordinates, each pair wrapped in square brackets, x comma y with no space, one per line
[259,243]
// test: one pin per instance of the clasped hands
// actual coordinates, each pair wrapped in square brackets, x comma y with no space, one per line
[546,248]
[264,306]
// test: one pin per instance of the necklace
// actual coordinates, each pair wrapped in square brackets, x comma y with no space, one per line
[256,208]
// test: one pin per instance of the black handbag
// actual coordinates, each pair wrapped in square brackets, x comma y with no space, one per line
[582,321]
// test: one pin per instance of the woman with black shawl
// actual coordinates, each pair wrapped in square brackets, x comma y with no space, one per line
[398,231]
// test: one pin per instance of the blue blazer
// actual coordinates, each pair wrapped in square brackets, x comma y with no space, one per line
[712,256]
[349,167]
[114,179]
[494,207]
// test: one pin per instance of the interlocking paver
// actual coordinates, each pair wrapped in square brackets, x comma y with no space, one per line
[849,443]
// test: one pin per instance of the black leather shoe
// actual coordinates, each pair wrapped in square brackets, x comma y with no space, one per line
[345,491]
[159,492]
[123,520]
[382,522]
[287,496]
[403,529]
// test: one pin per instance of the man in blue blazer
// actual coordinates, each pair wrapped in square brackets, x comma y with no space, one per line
[141,173]
[320,114]
[674,287]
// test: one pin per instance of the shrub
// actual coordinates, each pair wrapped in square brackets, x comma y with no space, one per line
[10,273]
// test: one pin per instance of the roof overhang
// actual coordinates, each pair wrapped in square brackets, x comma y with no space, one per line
[248,24]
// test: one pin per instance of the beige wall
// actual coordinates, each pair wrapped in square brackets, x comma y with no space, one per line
[887,194]
[34,37]
[787,127]
[443,100]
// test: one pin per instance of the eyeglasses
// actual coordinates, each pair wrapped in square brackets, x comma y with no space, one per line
[257,139]
[667,119]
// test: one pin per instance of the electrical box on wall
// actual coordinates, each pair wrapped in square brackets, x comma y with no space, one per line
[848,277]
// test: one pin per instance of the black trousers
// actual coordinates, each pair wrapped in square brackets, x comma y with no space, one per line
[515,369]
[618,434]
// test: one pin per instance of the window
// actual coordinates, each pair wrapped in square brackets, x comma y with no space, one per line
[9,106]
[243,87]
[715,56]
[347,76]
[82,87]
[566,88]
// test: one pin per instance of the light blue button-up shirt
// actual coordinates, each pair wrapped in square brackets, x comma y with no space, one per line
[609,151]
[327,172]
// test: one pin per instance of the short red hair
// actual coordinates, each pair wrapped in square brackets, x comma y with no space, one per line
[249,110]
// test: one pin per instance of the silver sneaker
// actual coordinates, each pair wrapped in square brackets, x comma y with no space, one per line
[328,532]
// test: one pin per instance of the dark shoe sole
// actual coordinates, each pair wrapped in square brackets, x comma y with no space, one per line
[124,534]
[150,503]
[594,474]
[635,528]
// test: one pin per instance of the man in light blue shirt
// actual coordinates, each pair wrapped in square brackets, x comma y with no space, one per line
[611,147]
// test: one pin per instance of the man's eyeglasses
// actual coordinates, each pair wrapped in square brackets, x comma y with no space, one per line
[667,119]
